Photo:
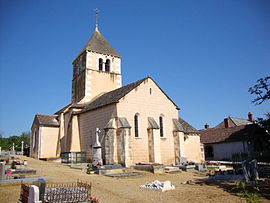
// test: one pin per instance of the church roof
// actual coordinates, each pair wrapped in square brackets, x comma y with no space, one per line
[99,44]
[187,128]
[115,95]
[47,120]
[112,96]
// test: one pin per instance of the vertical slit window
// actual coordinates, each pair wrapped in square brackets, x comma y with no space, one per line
[161,126]
[100,64]
[107,65]
[136,125]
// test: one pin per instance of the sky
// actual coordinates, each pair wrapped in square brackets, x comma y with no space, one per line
[203,54]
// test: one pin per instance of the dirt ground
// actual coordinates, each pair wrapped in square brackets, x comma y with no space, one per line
[126,189]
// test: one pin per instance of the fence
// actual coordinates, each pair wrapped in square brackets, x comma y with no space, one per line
[65,192]
[73,157]
[71,192]
[24,193]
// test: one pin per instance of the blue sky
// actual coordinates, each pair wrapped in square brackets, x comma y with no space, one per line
[203,54]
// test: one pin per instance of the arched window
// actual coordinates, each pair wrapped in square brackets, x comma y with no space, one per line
[100,64]
[107,65]
[136,125]
[161,126]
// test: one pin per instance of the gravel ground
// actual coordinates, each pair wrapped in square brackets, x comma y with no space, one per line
[126,189]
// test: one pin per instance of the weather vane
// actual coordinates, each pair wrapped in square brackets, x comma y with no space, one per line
[96,12]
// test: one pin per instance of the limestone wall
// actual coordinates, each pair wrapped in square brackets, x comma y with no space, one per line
[97,82]
[93,61]
[149,101]
[89,121]
[48,142]
[193,148]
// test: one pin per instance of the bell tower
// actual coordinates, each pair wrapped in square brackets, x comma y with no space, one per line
[96,69]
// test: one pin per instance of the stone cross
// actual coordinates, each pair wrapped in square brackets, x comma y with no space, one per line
[22,147]
[97,157]
[96,12]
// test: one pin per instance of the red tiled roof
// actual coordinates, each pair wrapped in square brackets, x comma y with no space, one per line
[232,134]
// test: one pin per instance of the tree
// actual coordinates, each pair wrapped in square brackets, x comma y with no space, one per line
[6,143]
[265,123]
[261,90]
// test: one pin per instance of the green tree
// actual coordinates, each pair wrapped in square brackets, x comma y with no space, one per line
[261,90]
[6,143]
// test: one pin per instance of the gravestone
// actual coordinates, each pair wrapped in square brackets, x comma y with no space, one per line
[254,170]
[246,171]
[182,161]
[2,171]
[33,194]
[41,184]
[201,167]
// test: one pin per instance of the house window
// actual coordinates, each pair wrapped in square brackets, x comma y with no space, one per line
[136,125]
[161,126]
[107,65]
[100,64]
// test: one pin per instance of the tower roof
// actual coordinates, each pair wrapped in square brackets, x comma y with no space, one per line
[99,44]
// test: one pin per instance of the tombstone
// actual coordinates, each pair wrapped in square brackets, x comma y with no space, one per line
[254,176]
[97,158]
[245,168]
[182,160]
[41,184]
[33,194]
[2,171]
[200,167]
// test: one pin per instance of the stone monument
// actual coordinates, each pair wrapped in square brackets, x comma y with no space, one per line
[97,158]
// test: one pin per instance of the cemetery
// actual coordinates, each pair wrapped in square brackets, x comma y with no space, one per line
[34,180]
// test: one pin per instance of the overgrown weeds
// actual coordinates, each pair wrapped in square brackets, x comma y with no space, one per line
[250,194]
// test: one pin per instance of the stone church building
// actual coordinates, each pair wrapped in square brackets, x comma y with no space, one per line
[137,122]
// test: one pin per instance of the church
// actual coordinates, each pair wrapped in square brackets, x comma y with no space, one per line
[135,123]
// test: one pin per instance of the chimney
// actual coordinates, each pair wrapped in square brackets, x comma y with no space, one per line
[250,117]
[206,126]
[227,122]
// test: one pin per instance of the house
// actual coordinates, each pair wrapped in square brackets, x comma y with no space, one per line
[233,136]
[135,123]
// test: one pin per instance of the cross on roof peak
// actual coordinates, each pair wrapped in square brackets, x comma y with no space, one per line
[96,12]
